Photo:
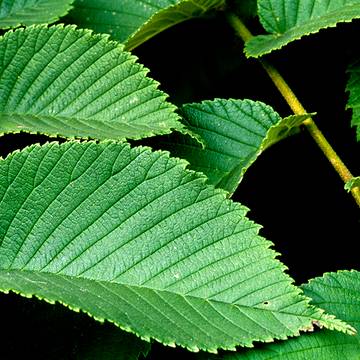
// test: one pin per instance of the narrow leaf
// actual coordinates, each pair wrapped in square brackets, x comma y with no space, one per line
[233,132]
[130,236]
[135,21]
[289,20]
[68,82]
[353,86]
[14,13]
[338,293]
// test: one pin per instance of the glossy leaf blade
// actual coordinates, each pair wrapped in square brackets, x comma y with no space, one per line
[14,13]
[338,293]
[233,132]
[68,82]
[353,87]
[130,236]
[289,20]
[135,21]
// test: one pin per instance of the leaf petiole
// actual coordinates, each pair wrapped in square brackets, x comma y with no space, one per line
[243,32]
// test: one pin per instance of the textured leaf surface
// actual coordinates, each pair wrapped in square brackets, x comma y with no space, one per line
[130,236]
[289,20]
[14,13]
[355,182]
[338,293]
[234,133]
[135,21]
[68,82]
[353,86]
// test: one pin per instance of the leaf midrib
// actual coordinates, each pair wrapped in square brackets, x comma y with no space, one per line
[184,296]
[86,121]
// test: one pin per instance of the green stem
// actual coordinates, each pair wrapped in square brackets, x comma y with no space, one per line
[298,109]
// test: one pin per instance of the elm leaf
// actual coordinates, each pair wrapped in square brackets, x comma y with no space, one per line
[289,20]
[135,21]
[233,134]
[69,82]
[14,13]
[132,237]
[338,293]
[353,87]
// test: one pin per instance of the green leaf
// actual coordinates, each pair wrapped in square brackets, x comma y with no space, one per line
[130,236]
[68,82]
[289,20]
[284,128]
[338,293]
[136,21]
[354,182]
[353,86]
[233,132]
[14,13]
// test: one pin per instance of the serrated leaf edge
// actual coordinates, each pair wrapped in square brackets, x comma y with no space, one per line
[323,319]
[291,37]
[133,42]
[133,59]
[54,19]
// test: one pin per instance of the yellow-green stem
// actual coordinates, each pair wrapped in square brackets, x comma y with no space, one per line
[298,109]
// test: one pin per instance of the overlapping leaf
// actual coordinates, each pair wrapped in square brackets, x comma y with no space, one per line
[234,133]
[135,21]
[338,293]
[68,82]
[14,13]
[353,87]
[130,236]
[289,20]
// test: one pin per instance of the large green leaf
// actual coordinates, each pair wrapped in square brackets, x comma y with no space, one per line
[353,86]
[338,293]
[135,21]
[130,236]
[14,13]
[68,82]
[233,132]
[289,20]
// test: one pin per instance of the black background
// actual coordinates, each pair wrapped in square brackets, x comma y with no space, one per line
[291,189]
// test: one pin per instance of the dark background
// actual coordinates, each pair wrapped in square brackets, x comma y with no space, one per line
[291,189]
